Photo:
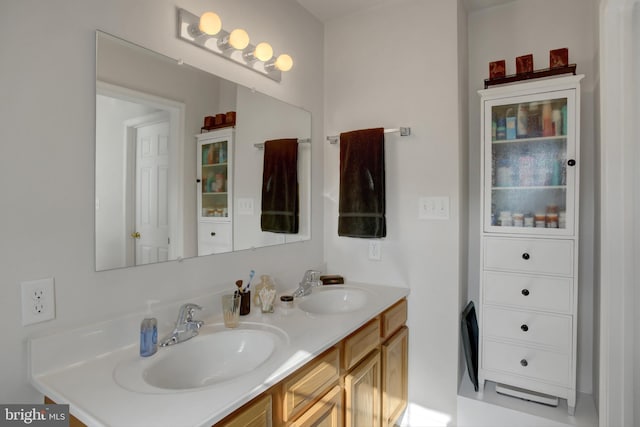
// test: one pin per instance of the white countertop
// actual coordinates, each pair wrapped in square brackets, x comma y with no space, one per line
[77,367]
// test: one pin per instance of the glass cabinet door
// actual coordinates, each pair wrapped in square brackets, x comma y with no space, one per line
[214,179]
[530,164]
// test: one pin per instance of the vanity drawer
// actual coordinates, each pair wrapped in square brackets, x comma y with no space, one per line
[529,327]
[303,387]
[541,365]
[393,319]
[529,255]
[361,343]
[531,292]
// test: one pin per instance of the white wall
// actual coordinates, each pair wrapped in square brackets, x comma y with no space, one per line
[47,118]
[518,28]
[396,65]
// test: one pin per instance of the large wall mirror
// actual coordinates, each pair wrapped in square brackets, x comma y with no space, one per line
[156,183]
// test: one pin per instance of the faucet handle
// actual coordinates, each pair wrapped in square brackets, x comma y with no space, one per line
[187,311]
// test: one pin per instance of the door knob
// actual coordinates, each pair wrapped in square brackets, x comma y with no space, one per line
[135,235]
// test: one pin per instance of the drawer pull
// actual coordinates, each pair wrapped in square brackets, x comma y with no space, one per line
[524,362]
[525,256]
[524,328]
[525,292]
[213,233]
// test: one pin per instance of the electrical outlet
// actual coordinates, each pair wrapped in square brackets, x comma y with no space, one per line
[38,301]
[375,250]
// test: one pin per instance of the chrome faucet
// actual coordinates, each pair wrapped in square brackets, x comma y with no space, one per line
[186,327]
[310,280]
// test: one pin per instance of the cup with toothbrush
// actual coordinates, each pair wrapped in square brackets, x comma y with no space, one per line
[245,295]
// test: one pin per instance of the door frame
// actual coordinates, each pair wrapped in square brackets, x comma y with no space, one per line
[176,111]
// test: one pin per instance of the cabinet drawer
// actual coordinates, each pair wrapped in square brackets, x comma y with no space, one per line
[256,414]
[529,327]
[538,293]
[394,318]
[541,365]
[214,238]
[312,381]
[326,412]
[529,255]
[361,343]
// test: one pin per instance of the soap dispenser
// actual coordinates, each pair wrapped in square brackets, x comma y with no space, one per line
[148,334]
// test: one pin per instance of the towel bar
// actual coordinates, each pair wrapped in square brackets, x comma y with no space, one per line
[403,132]
[260,145]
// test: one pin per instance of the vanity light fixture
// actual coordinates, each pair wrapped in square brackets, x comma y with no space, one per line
[206,32]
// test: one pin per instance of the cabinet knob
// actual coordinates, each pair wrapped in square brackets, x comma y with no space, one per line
[525,256]
[213,233]
[524,362]
[524,328]
[571,162]
[525,292]
[198,180]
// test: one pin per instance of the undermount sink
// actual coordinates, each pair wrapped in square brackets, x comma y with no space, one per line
[213,357]
[333,300]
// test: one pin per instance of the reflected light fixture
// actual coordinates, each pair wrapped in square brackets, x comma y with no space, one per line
[206,32]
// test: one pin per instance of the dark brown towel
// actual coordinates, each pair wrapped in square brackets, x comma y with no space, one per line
[362,194]
[280,186]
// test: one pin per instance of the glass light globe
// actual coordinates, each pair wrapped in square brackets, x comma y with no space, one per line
[210,23]
[263,51]
[284,62]
[239,39]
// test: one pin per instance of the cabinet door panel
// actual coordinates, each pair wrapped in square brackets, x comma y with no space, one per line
[362,394]
[395,363]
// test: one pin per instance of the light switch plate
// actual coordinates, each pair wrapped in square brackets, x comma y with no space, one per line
[38,301]
[433,207]
[245,206]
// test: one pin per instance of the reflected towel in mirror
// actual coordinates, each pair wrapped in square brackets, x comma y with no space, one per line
[280,204]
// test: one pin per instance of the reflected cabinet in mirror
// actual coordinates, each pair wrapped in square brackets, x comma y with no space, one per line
[166,190]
